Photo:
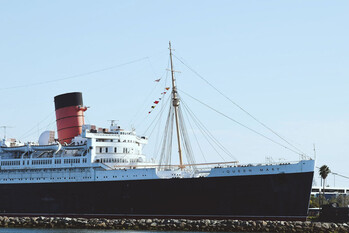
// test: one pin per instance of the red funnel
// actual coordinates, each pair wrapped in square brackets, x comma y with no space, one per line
[69,116]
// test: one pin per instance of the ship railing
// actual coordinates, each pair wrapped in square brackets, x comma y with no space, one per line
[51,162]
[268,164]
[198,167]
[104,134]
[171,167]
[205,166]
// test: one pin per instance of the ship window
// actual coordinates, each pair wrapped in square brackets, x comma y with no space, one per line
[106,150]
[100,150]
[114,149]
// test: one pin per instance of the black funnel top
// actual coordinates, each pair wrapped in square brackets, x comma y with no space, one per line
[68,99]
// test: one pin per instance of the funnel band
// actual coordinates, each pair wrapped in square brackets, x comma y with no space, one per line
[82,115]
[69,128]
[68,99]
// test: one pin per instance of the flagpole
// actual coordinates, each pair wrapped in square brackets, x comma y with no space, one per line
[175,103]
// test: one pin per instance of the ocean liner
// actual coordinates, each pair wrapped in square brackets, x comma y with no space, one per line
[90,172]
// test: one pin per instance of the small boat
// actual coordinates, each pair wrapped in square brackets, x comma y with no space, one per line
[52,147]
[15,148]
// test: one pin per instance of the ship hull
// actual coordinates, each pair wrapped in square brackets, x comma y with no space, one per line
[276,196]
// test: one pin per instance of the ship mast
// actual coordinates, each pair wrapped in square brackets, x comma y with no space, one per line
[175,103]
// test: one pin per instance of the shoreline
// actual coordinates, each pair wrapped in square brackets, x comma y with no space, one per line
[172,224]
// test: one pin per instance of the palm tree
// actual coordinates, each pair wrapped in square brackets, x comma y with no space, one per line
[324,171]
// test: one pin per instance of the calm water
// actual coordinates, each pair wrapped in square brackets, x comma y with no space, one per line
[33,230]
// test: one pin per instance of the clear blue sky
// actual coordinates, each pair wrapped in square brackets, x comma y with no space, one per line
[286,62]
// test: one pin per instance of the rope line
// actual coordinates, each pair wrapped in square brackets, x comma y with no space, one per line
[256,132]
[204,131]
[206,136]
[75,76]
[242,109]
[196,139]
[30,133]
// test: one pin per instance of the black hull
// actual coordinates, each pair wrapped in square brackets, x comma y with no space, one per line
[282,196]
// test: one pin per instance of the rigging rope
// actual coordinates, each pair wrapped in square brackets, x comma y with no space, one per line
[157,116]
[30,133]
[260,134]
[166,150]
[164,104]
[146,100]
[207,134]
[185,139]
[230,100]
[75,76]
[196,139]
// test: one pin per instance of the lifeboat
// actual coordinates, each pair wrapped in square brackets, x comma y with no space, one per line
[15,148]
[52,147]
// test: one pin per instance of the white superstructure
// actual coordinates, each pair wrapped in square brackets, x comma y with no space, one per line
[87,158]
